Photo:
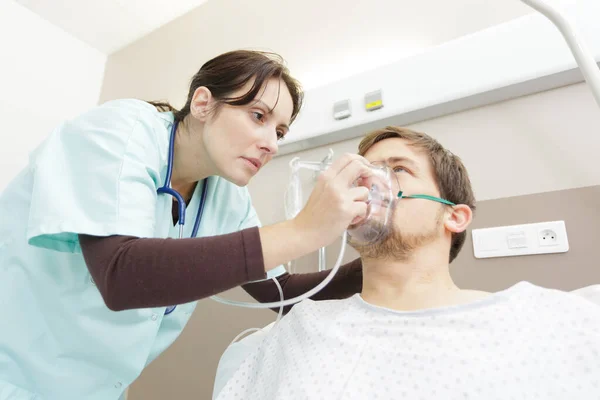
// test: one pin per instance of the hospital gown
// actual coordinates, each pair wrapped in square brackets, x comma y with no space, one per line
[525,342]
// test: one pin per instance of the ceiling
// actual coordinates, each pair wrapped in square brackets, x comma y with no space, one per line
[109,25]
[342,37]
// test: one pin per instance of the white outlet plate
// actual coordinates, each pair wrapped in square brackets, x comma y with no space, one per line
[521,240]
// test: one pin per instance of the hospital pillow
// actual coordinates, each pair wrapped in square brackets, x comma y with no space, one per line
[591,293]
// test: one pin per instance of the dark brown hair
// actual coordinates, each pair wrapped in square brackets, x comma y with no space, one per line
[229,72]
[451,175]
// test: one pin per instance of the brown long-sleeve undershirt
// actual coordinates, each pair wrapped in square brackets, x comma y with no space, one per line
[135,272]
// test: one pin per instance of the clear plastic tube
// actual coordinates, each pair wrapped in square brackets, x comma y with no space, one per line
[280,298]
[235,339]
[296,299]
[322,259]
[312,165]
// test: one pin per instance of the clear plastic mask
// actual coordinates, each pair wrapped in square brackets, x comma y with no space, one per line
[380,206]
[382,197]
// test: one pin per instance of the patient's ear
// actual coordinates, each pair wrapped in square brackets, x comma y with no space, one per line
[458,218]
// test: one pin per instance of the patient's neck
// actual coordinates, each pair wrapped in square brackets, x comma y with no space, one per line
[423,281]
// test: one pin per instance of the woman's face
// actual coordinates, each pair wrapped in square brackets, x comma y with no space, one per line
[240,140]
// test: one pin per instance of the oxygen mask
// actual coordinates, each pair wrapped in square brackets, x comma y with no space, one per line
[383,189]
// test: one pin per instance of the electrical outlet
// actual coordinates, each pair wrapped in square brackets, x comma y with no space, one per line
[548,237]
[520,240]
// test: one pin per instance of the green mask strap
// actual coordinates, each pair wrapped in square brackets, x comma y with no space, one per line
[426,197]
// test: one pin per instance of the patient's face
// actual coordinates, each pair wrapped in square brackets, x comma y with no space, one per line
[414,222]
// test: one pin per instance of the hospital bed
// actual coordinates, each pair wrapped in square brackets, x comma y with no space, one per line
[237,351]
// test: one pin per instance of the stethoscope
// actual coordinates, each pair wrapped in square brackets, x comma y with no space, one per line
[166,189]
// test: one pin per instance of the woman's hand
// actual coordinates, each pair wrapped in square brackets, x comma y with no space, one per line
[336,201]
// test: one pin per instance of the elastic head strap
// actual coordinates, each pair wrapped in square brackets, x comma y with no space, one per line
[426,197]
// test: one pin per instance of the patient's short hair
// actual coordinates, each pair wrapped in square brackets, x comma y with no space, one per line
[451,175]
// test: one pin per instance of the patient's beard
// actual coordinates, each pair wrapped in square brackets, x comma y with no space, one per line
[393,244]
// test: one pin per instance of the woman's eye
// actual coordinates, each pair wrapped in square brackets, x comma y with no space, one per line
[258,116]
[399,169]
[280,135]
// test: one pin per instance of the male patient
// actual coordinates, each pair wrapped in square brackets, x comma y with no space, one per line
[412,333]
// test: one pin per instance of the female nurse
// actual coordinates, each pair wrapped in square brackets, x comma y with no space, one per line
[93,286]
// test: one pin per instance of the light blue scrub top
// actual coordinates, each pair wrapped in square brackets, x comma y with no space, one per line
[96,174]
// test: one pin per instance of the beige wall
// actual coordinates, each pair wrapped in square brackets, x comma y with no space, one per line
[575,269]
[322,41]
